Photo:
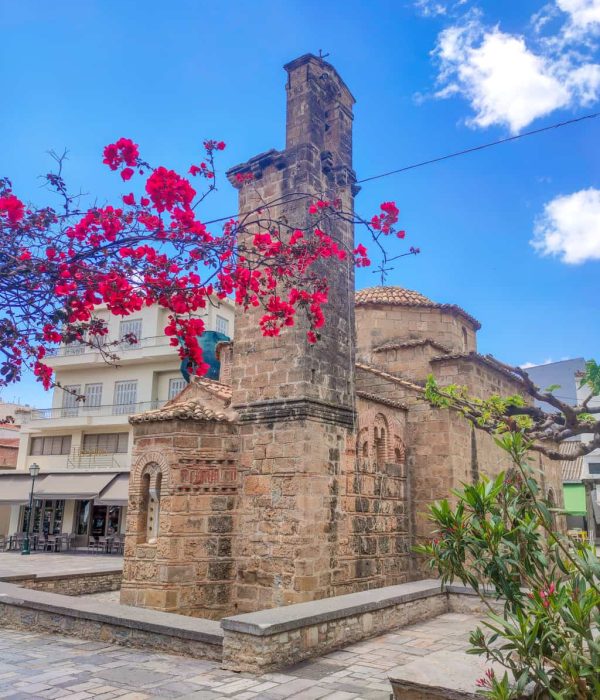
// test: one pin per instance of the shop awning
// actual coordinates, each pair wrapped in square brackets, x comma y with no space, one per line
[575,499]
[73,486]
[116,493]
[15,488]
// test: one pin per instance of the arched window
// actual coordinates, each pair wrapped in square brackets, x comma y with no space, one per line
[148,517]
[380,447]
[365,449]
[153,519]
[142,517]
[381,439]
[465,339]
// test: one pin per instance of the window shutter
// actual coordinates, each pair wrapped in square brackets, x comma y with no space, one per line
[122,442]
[125,397]
[131,327]
[222,325]
[93,395]
[176,385]
[70,404]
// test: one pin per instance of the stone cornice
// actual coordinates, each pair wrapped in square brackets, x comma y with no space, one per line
[295,409]
[375,398]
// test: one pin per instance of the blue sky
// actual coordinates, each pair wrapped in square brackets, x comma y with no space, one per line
[429,78]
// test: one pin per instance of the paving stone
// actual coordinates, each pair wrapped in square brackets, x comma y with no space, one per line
[202,695]
[312,669]
[82,670]
[311,693]
[173,690]
[133,676]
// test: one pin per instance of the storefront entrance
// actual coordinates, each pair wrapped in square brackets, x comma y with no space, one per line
[93,521]
[47,517]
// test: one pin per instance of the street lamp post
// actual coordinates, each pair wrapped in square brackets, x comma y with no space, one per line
[34,470]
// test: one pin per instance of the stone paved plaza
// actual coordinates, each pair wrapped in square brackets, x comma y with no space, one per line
[50,563]
[50,666]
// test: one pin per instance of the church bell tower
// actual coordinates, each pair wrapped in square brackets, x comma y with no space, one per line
[295,400]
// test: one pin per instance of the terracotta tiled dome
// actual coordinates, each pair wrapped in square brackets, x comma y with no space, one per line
[398,296]
[391,295]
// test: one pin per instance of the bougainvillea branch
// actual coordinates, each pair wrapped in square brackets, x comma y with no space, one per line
[59,266]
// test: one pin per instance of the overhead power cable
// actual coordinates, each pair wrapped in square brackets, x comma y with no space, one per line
[421,164]
[481,147]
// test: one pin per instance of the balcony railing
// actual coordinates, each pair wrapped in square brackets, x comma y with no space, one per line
[83,411]
[117,348]
[81,459]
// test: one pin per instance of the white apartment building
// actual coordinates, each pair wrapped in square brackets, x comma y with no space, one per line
[84,448]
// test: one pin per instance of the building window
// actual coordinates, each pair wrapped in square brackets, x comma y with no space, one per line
[105,443]
[130,329]
[176,385]
[222,325]
[70,405]
[594,468]
[82,520]
[47,517]
[125,397]
[465,339]
[93,395]
[51,445]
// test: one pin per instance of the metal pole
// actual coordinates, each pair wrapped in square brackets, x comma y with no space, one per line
[26,549]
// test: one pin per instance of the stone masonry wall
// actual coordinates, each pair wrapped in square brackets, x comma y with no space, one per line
[289,512]
[189,568]
[486,457]
[82,583]
[105,623]
[378,324]
[374,539]
[411,362]
[225,357]
[259,654]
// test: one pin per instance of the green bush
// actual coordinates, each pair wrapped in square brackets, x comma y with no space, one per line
[500,538]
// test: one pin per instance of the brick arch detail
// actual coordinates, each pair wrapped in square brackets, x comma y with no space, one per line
[370,422]
[151,463]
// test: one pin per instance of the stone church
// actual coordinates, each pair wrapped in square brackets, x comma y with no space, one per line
[305,470]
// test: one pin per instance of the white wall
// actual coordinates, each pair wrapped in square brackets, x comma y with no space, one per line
[582,394]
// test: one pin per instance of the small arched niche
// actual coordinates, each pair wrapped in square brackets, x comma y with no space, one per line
[149,509]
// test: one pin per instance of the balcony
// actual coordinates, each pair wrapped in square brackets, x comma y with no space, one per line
[81,459]
[81,415]
[80,355]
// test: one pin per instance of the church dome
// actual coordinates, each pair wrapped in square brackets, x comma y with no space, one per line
[396,296]
[399,296]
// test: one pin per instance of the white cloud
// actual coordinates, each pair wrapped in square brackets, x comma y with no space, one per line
[528,365]
[569,228]
[505,81]
[431,8]
[435,8]
[584,15]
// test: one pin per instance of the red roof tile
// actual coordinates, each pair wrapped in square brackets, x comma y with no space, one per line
[398,296]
